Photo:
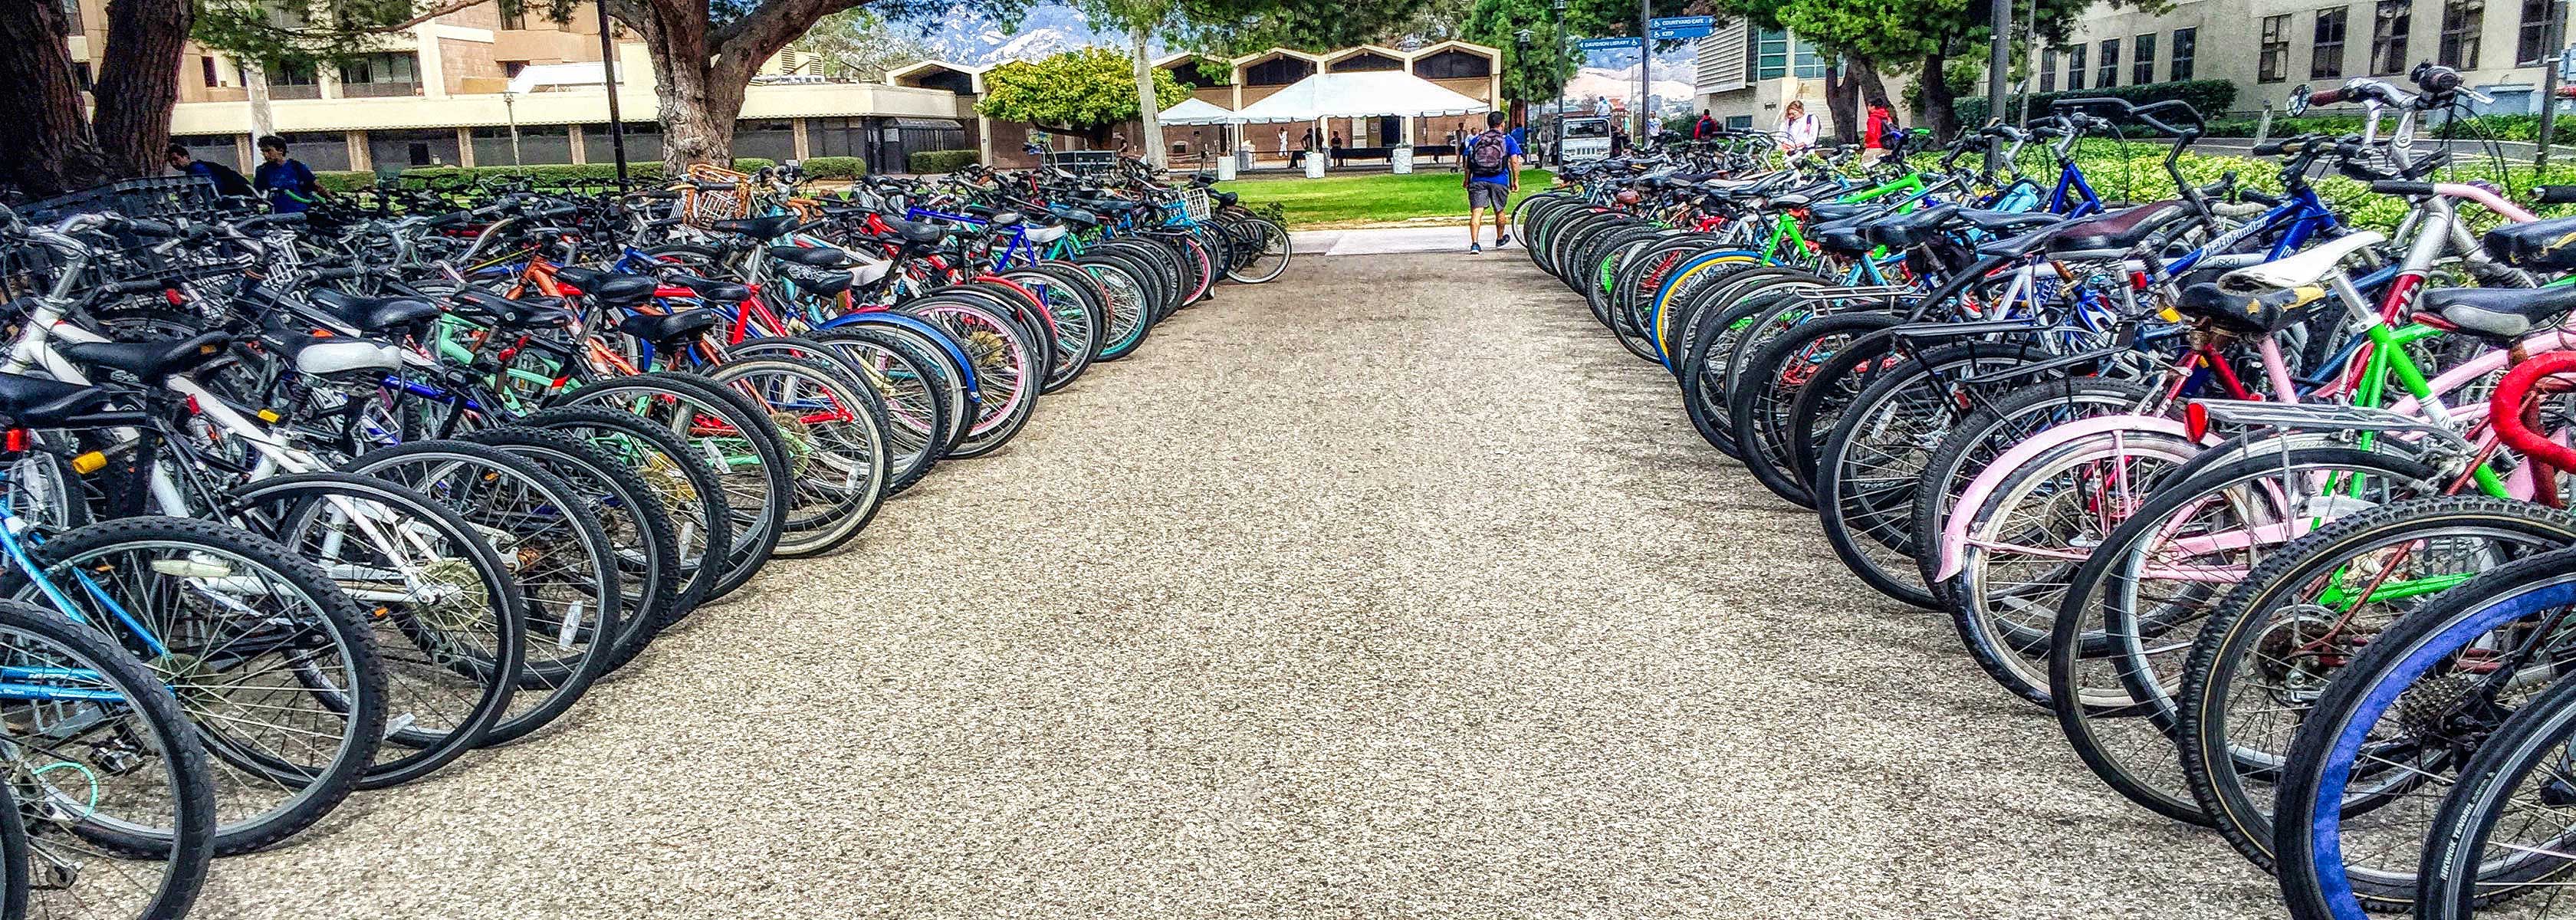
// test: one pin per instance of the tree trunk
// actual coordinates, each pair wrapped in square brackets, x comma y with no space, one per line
[1842,101]
[1940,108]
[691,131]
[48,149]
[263,119]
[1148,106]
[1873,88]
[138,82]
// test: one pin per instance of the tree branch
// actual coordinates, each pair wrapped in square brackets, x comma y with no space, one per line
[451,6]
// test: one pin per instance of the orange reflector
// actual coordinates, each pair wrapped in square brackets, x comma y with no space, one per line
[2195,421]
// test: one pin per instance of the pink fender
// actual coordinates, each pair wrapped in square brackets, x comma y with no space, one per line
[1954,530]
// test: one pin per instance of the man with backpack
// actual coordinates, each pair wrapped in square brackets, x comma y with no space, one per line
[1493,173]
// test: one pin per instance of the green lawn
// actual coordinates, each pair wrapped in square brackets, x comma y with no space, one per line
[1379,198]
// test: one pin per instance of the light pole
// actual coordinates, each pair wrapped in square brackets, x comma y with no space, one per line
[1556,142]
[1520,54]
[510,109]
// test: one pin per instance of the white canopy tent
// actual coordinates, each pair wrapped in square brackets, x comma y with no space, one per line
[1360,94]
[1196,111]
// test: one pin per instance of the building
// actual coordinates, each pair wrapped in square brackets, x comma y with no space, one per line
[1746,76]
[1468,69]
[442,94]
[2269,47]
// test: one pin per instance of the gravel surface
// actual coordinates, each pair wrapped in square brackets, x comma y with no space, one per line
[1370,593]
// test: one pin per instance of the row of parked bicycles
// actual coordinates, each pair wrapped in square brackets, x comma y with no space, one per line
[299,507]
[2267,509]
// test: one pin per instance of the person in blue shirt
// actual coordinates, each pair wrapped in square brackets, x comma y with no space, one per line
[1520,135]
[1493,161]
[227,183]
[289,183]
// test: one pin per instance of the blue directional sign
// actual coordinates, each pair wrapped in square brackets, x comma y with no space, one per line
[1607,44]
[1676,27]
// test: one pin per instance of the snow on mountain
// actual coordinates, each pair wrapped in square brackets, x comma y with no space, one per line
[968,35]
[1621,83]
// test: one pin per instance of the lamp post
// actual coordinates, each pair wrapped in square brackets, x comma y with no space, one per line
[510,109]
[1520,50]
[1556,142]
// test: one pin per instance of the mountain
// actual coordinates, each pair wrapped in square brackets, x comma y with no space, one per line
[966,34]
[1621,82]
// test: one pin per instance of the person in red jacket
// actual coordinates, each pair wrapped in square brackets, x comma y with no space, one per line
[1705,128]
[1877,132]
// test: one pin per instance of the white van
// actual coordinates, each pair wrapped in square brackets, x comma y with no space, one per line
[1586,138]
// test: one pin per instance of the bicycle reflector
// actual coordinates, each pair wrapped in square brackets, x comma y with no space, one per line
[2195,421]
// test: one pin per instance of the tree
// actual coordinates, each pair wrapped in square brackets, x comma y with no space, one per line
[1541,73]
[861,45]
[51,147]
[1923,36]
[1083,92]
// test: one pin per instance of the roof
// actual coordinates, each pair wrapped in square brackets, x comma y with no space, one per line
[1274,49]
[916,66]
[1429,50]
[1360,94]
[1196,111]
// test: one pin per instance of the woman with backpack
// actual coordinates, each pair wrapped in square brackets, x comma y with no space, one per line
[1493,173]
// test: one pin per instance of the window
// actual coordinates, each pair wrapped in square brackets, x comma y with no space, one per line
[1278,71]
[2388,28]
[292,75]
[1739,121]
[2533,43]
[1752,54]
[2075,68]
[1808,63]
[537,145]
[1366,60]
[512,68]
[2461,22]
[2272,65]
[1773,53]
[206,64]
[71,17]
[2185,43]
[2110,63]
[1453,64]
[2143,48]
[2048,71]
[2327,59]
[81,79]
[401,67]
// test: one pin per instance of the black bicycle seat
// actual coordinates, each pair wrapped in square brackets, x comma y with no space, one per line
[759,228]
[374,314]
[2500,313]
[1905,231]
[504,311]
[37,402]
[666,330]
[2119,230]
[150,362]
[2541,245]
[710,288]
[811,256]
[607,287]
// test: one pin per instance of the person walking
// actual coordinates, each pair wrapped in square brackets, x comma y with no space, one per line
[1878,133]
[1493,174]
[1705,127]
[228,182]
[289,183]
[1797,128]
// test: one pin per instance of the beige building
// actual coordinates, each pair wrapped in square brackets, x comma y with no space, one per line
[2268,47]
[441,94]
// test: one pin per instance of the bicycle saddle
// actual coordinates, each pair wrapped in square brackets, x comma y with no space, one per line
[37,402]
[759,228]
[2307,266]
[2500,313]
[709,288]
[328,355]
[2541,245]
[608,287]
[1904,231]
[666,330]
[374,314]
[919,233]
[2119,230]
[2006,223]
[150,362]
[1833,210]
[503,311]
[811,256]
[1224,199]
[2250,310]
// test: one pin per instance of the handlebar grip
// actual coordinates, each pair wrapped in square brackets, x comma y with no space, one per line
[712,186]
[2554,194]
[339,273]
[2401,187]
[137,286]
[2258,196]
[449,219]
[144,227]
[561,210]
[2325,97]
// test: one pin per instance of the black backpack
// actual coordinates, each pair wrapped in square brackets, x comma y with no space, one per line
[1489,154]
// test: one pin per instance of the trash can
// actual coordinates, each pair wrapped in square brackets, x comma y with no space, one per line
[1400,160]
[1315,164]
[1225,168]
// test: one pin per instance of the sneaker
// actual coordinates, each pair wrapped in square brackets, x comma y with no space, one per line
[1473,248]
[1502,240]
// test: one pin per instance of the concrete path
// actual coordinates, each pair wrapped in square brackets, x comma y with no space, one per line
[1345,597]
[1383,241]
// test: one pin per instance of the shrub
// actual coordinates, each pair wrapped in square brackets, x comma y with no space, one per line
[1271,211]
[926,162]
[554,174]
[345,181]
[2208,97]
[835,167]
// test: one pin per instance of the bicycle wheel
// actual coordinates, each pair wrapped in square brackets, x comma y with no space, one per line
[449,619]
[642,541]
[836,439]
[271,662]
[2282,635]
[736,439]
[691,490]
[110,779]
[1075,329]
[1129,306]
[1005,375]
[2503,831]
[1989,431]
[916,390]
[1266,260]
[563,561]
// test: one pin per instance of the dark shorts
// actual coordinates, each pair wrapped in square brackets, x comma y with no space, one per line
[1487,195]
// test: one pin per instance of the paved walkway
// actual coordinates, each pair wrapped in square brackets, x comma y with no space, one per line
[1383,241]
[1346,597]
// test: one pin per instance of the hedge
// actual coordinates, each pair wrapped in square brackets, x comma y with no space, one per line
[2500,127]
[927,162]
[834,167]
[2210,97]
